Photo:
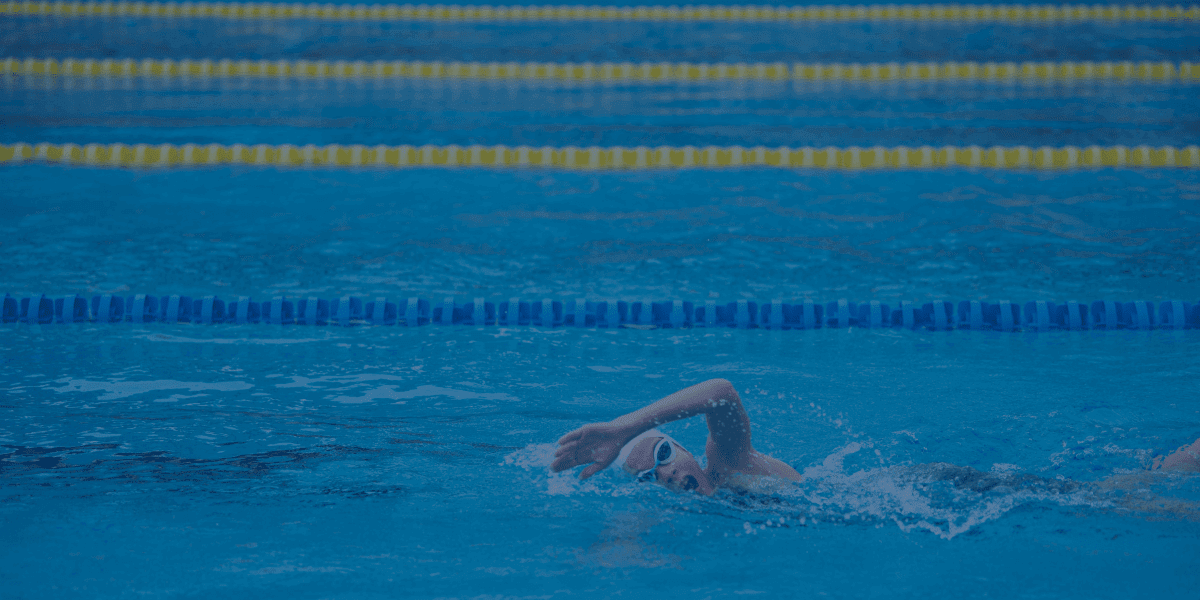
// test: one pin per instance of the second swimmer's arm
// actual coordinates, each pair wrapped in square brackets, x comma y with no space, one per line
[1186,458]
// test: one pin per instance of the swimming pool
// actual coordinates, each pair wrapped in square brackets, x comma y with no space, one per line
[171,459]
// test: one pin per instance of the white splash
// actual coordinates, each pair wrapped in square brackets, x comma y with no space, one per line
[121,389]
[897,494]
[536,458]
[389,392]
[533,456]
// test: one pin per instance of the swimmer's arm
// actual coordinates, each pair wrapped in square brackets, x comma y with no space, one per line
[728,449]
[1186,458]
[728,429]
[728,423]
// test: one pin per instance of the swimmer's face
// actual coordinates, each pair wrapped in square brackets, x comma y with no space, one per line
[683,473]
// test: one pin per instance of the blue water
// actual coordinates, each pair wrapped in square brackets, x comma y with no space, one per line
[239,461]
[398,111]
[381,462]
[581,41]
[1109,234]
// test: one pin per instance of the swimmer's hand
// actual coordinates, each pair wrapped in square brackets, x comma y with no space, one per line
[597,443]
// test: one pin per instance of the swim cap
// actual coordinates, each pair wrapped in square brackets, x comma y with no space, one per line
[623,457]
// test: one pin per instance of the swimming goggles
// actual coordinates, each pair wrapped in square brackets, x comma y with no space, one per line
[664,453]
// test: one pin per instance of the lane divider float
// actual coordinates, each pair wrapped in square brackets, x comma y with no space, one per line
[1003,315]
[600,158]
[827,13]
[1065,71]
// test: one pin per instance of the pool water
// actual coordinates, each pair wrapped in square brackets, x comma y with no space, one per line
[755,234]
[380,462]
[535,113]
[387,462]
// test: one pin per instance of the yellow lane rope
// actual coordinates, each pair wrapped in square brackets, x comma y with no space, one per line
[597,158]
[912,71]
[1011,13]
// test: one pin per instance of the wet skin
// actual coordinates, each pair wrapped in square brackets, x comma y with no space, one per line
[732,459]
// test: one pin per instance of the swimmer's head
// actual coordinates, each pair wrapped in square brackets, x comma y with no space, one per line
[654,456]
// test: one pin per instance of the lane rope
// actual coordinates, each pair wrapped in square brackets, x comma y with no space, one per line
[1040,315]
[601,158]
[828,13]
[625,71]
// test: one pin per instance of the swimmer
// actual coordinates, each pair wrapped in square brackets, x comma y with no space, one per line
[650,455]
[636,447]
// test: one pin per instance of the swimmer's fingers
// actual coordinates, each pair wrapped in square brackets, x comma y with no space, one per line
[601,458]
[564,458]
[570,455]
[561,464]
[567,450]
[592,470]
[591,432]
[571,437]
[594,443]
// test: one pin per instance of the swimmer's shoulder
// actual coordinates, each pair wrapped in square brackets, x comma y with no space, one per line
[770,466]
[762,474]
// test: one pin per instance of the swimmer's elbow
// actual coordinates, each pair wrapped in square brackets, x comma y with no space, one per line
[721,388]
[720,392]
[713,396]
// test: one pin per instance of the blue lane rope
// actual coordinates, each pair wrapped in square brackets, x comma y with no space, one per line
[1040,315]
